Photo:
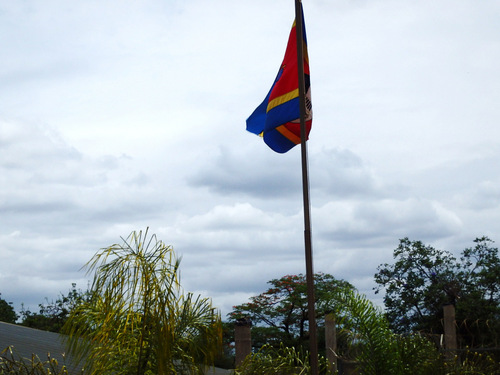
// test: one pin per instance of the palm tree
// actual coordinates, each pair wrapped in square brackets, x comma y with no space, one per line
[368,334]
[137,319]
[371,343]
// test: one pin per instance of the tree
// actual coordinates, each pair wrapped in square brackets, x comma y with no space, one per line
[137,318]
[372,344]
[279,315]
[52,315]
[7,313]
[423,279]
[367,337]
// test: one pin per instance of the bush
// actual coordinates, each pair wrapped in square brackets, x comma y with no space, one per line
[279,361]
[15,365]
[470,363]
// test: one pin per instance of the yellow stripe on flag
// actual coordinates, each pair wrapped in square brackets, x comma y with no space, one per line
[282,99]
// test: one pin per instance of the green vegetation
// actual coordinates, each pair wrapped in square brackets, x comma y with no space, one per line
[137,318]
[423,279]
[7,313]
[278,361]
[13,365]
[364,333]
[53,315]
[279,315]
[374,346]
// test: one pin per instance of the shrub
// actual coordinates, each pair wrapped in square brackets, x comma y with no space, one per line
[279,361]
[10,363]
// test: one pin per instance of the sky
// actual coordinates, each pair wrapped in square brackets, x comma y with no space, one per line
[118,116]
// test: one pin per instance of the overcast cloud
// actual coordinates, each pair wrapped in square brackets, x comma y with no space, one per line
[121,115]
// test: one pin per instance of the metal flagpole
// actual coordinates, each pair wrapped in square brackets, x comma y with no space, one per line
[313,344]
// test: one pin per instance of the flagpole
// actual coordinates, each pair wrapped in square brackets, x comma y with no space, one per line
[313,343]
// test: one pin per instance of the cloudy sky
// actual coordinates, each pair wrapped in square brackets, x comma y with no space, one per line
[121,115]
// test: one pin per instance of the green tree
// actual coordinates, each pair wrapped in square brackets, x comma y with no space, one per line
[423,279]
[279,315]
[368,341]
[480,282]
[7,313]
[367,334]
[372,344]
[137,318]
[52,315]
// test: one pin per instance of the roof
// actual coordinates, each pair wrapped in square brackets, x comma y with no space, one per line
[28,341]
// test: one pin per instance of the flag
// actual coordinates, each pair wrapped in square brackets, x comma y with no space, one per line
[277,118]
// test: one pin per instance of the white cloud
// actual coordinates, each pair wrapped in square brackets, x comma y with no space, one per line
[365,222]
[116,117]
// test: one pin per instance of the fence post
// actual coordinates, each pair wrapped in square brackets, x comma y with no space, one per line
[331,341]
[242,340]
[450,333]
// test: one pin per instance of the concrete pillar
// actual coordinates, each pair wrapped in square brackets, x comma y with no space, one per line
[331,341]
[242,340]
[450,333]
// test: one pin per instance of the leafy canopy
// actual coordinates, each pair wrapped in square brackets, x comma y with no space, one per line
[279,315]
[138,319]
[7,313]
[423,279]
[363,335]
[52,315]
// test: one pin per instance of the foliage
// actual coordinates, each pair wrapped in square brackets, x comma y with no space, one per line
[378,350]
[363,332]
[279,315]
[11,365]
[7,313]
[480,280]
[365,338]
[227,357]
[370,340]
[137,317]
[53,315]
[372,344]
[417,355]
[471,363]
[278,361]
[423,279]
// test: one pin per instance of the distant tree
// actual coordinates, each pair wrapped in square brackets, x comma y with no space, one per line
[280,314]
[53,315]
[367,338]
[423,279]
[7,313]
[137,319]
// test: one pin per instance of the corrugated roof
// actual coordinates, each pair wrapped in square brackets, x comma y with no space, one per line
[28,341]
